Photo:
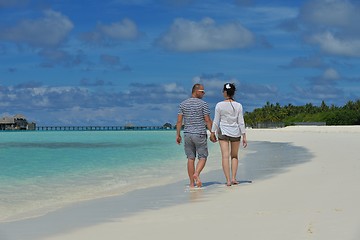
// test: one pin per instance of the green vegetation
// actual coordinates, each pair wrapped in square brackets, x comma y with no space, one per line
[349,114]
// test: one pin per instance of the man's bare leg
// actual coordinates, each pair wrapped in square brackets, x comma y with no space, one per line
[199,167]
[191,172]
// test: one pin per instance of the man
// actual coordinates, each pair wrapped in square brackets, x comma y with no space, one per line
[195,114]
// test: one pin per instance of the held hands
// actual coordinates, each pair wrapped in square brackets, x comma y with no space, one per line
[213,137]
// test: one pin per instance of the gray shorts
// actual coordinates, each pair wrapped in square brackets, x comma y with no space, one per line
[195,143]
[228,138]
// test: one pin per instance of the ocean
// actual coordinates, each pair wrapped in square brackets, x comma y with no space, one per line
[44,170]
[41,171]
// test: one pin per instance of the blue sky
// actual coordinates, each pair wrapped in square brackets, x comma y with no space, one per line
[113,62]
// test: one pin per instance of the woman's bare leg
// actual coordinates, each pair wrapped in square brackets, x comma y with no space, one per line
[224,146]
[234,161]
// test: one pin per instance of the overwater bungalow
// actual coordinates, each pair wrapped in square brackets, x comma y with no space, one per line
[18,122]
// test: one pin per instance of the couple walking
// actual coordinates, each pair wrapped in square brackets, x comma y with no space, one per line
[228,126]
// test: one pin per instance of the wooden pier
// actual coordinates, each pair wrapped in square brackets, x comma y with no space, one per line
[99,128]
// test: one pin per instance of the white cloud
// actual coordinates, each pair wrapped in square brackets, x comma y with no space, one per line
[331,74]
[124,30]
[173,88]
[329,12]
[317,93]
[48,31]
[332,25]
[81,106]
[188,36]
[336,46]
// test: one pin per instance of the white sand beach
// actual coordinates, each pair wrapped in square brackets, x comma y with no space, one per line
[318,199]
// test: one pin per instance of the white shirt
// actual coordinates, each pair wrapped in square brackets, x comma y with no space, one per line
[229,117]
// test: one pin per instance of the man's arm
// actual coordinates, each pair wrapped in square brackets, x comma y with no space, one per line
[178,128]
[209,126]
[208,122]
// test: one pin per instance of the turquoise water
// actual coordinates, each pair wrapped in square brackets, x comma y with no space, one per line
[44,170]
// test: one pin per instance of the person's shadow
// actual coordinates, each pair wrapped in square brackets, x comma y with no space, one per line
[208,184]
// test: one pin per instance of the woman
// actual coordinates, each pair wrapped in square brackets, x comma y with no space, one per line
[229,125]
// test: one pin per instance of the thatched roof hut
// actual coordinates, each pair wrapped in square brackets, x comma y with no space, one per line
[18,122]
[7,120]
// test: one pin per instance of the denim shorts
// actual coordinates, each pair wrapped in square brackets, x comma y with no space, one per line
[195,144]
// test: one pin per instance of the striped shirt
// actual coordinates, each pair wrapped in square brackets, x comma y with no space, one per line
[194,110]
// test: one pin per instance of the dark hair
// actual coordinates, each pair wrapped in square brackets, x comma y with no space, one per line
[196,87]
[230,89]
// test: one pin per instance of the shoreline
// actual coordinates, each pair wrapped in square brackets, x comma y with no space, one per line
[307,201]
[94,174]
[247,170]
[96,211]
